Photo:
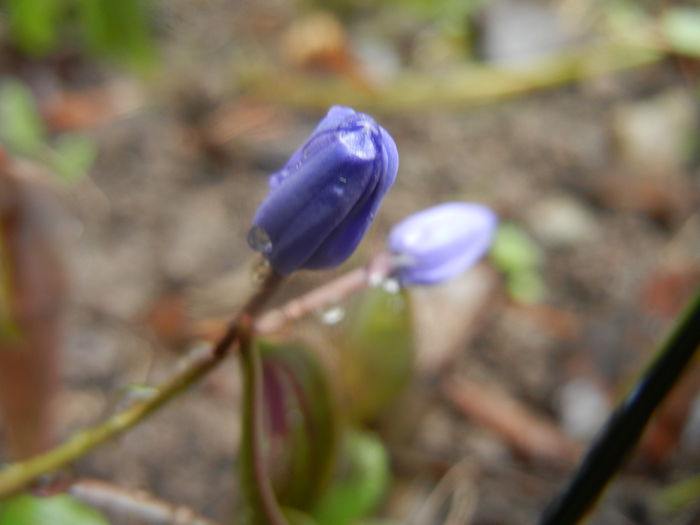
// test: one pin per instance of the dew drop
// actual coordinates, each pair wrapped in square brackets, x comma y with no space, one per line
[391,285]
[261,270]
[275,179]
[259,240]
[333,315]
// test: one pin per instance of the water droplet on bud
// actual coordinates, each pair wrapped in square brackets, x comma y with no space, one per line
[391,285]
[333,315]
[259,240]
[261,270]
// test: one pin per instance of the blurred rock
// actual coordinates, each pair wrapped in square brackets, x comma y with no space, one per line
[583,407]
[690,438]
[658,194]
[653,134]
[380,61]
[515,32]
[562,221]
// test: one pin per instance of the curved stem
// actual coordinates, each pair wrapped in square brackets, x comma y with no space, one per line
[373,273]
[264,508]
[16,476]
[625,426]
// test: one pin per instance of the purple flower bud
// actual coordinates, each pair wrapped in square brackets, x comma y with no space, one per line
[438,243]
[326,196]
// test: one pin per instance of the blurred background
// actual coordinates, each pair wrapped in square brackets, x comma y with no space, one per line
[139,135]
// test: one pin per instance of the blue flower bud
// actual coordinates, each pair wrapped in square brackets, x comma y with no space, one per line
[326,196]
[441,242]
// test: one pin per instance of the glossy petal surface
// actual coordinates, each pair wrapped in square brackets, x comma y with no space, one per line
[324,199]
[440,242]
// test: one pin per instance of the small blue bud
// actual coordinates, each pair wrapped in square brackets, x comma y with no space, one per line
[441,242]
[326,196]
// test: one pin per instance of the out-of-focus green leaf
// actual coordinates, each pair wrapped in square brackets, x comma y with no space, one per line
[526,286]
[513,249]
[455,11]
[681,29]
[118,29]
[363,477]
[33,23]
[627,19]
[377,355]
[296,517]
[73,157]
[681,494]
[301,422]
[21,128]
[518,257]
[56,510]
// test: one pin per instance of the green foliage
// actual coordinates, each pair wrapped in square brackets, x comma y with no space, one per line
[117,30]
[376,353]
[443,10]
[362,481]
[301,424]
[681,494]
[33,24]
[428,9]
[74,154]
[21,128]
[518,257]
[296,517]
[22,131]
[680,27]
[56,510]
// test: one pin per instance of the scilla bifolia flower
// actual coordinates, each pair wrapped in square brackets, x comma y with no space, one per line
[326,196]
[438,243]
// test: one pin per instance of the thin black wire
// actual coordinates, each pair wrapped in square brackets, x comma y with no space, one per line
[625,426]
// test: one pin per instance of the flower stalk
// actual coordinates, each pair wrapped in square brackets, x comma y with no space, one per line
[17,476]
[263,506]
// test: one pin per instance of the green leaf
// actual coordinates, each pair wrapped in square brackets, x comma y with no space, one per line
[301,424]
[73,157]
[21,127]
[681,494]
[118,29]
[362,481]
[680,27]
[525,286]
[518,257]
[63,509]
[296,517]
[514,250]
[33,24]
[377,354]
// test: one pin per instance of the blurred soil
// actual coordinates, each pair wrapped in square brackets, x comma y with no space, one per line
[602,175]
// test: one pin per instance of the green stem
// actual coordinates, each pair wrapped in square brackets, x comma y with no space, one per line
[16,476]
[468,85]
[263,506]
[625,426]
